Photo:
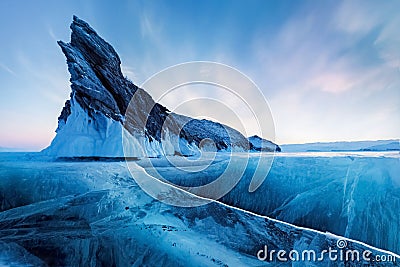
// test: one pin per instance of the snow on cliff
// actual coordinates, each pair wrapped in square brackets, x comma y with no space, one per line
[105,108]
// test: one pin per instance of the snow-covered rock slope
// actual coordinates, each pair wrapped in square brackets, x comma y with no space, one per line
[263,145]
[105,106]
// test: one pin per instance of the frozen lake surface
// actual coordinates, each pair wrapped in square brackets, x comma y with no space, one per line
[94,213]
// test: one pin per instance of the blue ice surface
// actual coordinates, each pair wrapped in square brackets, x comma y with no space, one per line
[76,213]
[353,194]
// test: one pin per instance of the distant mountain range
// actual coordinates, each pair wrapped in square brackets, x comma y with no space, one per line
[12,149]
[379,145]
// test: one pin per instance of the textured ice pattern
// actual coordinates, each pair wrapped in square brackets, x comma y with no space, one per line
[353,195]
[59,213]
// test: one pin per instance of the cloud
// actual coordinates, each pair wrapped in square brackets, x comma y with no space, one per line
[129,71]
[330,70]
[51,34]
[50,82]
[356,17]
[150,28]
[360,18]
[7,69]
[333,67]
[146,26]
[216,83]
[388,43]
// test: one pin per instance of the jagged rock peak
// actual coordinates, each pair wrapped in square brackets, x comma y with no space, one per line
[93,120]
[89,43]
[97,82]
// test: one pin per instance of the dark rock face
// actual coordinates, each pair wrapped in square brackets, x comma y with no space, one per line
[65,112]
[195,130]
[96,77]
[99,86]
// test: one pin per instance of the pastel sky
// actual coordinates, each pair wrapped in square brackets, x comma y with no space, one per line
[330,70]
